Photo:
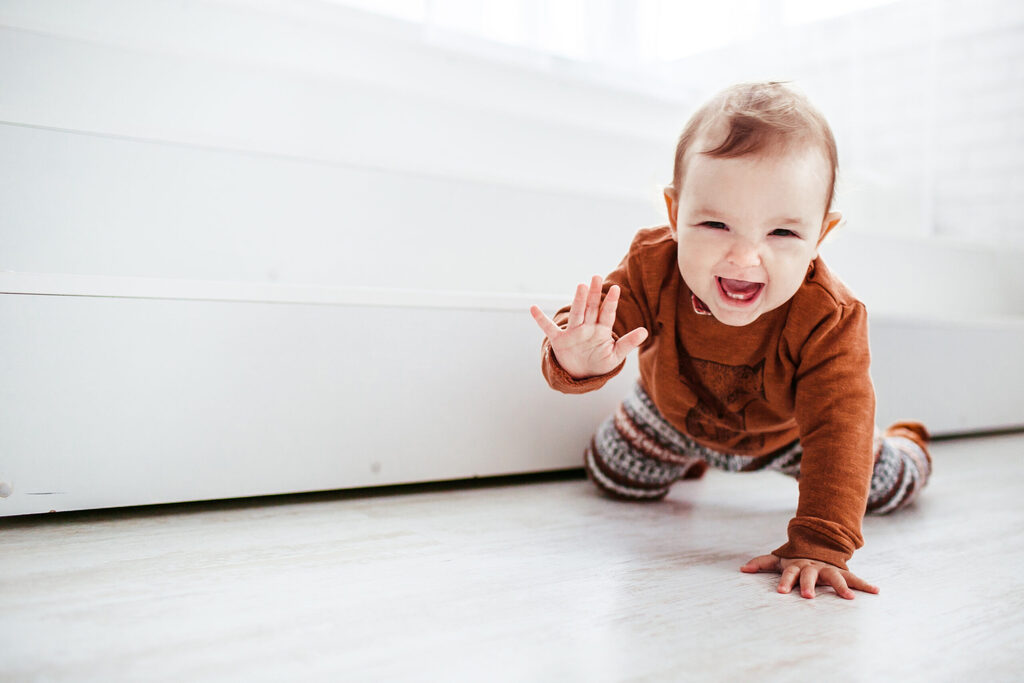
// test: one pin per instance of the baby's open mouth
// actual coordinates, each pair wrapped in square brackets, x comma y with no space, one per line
[739,291]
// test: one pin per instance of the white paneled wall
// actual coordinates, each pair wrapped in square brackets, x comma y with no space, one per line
[271,174]
[303,143]
[121,400]
[196,198]
[259,247]
[84,204]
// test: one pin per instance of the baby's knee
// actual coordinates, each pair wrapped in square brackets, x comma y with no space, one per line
[902,468]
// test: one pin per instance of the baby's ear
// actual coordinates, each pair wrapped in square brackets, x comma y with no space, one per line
[673,208]
[832,219]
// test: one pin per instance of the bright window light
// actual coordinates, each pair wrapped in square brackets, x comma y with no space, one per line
[680,29]
[626,33]
[410,10]
[806,11]
[562,28]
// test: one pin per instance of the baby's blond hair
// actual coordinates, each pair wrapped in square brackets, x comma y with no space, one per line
[761,117]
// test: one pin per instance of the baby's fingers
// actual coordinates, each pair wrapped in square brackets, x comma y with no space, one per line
[593,300]
[546,324]
[808,580]
[579,306]
[834,578]
[763,563]
[789,577]
[608,308]
[858,583]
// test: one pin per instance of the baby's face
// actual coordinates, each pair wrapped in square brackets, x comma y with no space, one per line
[748,227]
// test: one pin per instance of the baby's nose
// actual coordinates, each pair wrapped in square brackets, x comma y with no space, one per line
[744,254]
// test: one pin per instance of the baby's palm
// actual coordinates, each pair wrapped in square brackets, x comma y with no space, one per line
[586,346]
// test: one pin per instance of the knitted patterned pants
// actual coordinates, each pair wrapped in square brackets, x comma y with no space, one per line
[636,454]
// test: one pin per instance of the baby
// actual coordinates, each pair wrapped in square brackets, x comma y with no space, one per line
[752,354]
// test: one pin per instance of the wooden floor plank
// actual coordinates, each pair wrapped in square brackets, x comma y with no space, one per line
[535,581]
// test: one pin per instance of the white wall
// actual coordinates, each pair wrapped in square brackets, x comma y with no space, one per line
[194,193]
[272,165]
[308,144]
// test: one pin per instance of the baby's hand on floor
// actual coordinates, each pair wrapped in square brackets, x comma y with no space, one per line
[809,573]
[586,347]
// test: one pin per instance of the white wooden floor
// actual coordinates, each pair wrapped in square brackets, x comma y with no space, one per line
[536,581]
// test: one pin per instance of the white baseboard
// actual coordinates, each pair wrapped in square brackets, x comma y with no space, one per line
[123,391]
[113,401]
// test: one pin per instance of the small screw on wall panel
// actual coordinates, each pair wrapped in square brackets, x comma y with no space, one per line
[5,489]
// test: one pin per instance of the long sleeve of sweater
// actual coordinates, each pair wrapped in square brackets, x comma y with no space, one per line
[834,409]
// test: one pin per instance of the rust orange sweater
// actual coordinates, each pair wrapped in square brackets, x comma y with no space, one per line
[799,371]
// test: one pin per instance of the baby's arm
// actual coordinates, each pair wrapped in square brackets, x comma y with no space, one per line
[586,347]
[834,406]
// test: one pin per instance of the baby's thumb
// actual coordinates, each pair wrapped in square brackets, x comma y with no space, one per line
[764,563]
[545,323]
[625,345]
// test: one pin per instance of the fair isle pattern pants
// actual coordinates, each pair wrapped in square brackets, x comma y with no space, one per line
[637,455]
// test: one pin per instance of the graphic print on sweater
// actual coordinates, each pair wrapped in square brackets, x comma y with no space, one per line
[724,393]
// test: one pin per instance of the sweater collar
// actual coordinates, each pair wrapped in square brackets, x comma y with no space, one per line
[699,307]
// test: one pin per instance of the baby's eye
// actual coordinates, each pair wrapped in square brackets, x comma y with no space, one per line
[783,232]
[714,224]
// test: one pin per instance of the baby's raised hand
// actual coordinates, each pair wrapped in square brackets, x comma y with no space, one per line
[586,347]
[809,573]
